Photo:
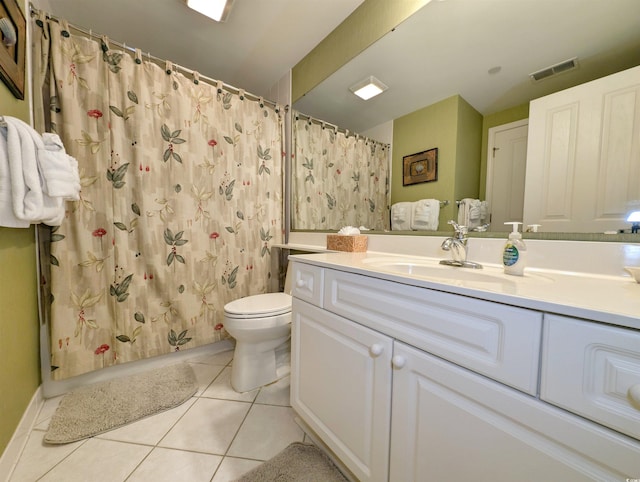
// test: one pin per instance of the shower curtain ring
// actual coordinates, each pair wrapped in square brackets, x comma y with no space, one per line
[196,77]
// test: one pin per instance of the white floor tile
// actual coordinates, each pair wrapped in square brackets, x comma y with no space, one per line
[277,393]
[267,430]
[232,468]
[46,412]
[167,465]
[99,461]
[150,430]
[205,374]
[37,458]
[221,388]
[218,431]
[218,359]
[208,426]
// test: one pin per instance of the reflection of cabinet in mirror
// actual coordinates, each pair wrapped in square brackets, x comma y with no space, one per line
[584,150]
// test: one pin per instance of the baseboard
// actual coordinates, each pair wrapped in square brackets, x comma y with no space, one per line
[12,452]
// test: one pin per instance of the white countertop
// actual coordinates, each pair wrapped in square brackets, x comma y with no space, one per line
[602,298]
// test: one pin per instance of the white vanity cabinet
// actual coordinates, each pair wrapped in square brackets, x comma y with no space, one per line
[405,383]
[341,387]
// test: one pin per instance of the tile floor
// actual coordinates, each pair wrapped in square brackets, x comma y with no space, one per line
[215,436]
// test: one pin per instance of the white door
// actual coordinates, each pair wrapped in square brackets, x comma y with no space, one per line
[341,387]
[583,159]
[506,167]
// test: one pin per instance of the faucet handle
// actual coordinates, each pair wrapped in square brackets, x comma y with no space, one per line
[459,229]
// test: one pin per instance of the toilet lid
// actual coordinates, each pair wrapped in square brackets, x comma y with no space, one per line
[269,304]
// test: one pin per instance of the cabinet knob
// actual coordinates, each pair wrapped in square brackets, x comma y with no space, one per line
[301,283]
[398,361]
[376,349]
[634,395]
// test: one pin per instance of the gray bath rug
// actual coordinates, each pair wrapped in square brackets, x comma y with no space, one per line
[297,463]
[104,406]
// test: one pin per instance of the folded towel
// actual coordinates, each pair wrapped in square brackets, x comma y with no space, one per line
[7,216]
[426,214]
[26,152]
[472,213]
[59,170]
[401,215]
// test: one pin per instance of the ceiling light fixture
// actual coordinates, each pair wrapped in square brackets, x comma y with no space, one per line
[218,10]
[368,88]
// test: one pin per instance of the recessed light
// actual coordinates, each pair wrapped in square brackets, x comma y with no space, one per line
[368,88]
[217,10]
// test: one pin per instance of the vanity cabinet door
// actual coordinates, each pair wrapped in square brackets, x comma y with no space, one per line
[341,387]
[593,370]
[449,424]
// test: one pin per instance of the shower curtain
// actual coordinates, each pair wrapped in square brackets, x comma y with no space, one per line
[338,179]
[181,202]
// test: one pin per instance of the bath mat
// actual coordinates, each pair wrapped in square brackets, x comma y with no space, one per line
[297,463]
[104,406]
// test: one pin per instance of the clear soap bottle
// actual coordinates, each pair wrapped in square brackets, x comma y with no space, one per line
[514,254]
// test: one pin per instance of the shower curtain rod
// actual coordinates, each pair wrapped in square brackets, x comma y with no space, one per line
[161,62]
[346,132]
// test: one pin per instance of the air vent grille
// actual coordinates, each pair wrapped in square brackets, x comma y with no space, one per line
[559,68]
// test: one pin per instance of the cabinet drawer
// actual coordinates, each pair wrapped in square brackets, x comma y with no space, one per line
[307,283]
[589,369]
[499,341]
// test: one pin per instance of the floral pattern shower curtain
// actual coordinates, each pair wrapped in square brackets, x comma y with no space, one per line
[338,179]
[181,203]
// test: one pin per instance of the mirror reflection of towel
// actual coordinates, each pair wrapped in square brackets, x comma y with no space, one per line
[472,213]
[426,214]
[401,216]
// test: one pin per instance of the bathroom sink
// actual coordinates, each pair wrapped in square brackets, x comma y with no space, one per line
[431,269]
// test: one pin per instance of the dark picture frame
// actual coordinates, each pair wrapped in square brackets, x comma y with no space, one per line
[12,58]
[420,167]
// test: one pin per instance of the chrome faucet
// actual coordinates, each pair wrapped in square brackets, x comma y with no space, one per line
[457,245]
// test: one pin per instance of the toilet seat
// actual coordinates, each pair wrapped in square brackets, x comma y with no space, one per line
[259,306]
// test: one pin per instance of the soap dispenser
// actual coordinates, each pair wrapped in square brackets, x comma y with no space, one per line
[515,252]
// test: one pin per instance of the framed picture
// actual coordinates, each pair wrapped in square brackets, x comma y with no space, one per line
[12,56]
[420,167]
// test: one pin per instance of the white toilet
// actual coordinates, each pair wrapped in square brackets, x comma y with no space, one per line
[261,325]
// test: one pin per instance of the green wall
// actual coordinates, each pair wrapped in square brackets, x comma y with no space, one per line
[455,128]
[369,22]
[19,353]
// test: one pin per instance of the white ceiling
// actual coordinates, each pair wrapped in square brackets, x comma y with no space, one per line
[252,50]
[448,47]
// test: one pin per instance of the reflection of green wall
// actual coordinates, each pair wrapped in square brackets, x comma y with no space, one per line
[369,22]
[492,120]
[19,354]
[454,127]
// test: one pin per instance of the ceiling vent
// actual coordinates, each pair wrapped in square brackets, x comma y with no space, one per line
[565,66]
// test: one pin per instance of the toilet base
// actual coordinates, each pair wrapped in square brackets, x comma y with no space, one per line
[255,367]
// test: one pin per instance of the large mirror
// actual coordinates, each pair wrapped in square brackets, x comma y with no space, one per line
[475,56]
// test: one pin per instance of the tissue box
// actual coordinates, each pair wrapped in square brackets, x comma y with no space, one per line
[356,243]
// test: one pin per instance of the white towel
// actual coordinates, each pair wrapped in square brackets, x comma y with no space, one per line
[472,213]
[59,170]
[30,182]
[401,215]
[7,216]
[426,214]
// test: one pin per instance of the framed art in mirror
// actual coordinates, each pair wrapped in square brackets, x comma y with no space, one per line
[420,167]
[12,47]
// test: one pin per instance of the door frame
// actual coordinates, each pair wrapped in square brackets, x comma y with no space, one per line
[490,145]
